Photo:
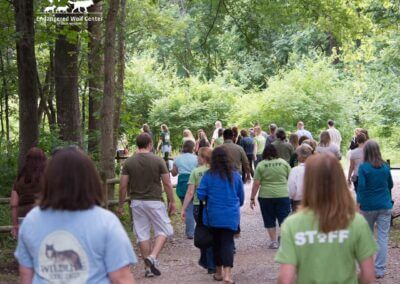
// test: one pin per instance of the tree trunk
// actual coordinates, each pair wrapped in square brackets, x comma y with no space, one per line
[52,117]
[5,96]
[67,88]
[96,79]
[27,89]
[120,71]
[108,107]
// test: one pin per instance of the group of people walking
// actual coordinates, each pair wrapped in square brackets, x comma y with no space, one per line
[298,183]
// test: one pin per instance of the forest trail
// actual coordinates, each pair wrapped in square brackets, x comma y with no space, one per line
[254,262]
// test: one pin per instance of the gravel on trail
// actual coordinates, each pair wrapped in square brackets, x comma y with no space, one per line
[254,262]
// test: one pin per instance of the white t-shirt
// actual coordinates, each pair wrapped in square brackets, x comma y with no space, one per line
[336,138]
[73,246]
[357,155]
[215,133]
[295,182]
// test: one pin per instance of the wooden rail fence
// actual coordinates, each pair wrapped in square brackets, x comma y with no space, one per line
[113,202]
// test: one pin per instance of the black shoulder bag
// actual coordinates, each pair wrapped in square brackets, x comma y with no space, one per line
[203,238]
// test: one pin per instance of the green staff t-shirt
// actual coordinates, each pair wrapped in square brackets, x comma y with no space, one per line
[324,258]
[195,178]
[273,176]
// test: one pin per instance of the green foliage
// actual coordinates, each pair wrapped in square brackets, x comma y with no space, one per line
[194,104]
[311,91]
[8,165]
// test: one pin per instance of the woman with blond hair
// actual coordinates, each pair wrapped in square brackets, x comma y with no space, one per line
[188,136]
[374,196]
[165,143]
[325,145]
[324,240]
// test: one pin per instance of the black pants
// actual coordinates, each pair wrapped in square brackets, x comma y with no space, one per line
[223,246]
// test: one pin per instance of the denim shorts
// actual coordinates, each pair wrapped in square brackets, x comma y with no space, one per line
[273,209]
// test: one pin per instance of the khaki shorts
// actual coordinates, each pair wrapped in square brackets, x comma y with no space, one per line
[147,214]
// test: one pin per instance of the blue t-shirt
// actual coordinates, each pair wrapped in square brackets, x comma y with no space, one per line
[73,246]
[223,200]
[186,163]
[247,144]
[373,189]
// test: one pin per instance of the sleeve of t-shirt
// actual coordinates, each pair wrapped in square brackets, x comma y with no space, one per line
[202,189]
[119,251]
[163,167]
[192,178]
[365,243]
[22,253]
[287,250]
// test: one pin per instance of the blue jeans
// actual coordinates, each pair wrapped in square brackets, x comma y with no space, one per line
[382,220]
[189,220]
[206,255]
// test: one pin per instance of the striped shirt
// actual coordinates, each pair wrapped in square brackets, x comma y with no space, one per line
[336,138]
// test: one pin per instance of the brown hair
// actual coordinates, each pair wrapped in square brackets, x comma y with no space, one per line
[294,140]
[361,138]
[205,153]
[188,146]
[311,143]
[302,139]
[326,193]
[71,182]
[372,154]
[143,140]
[33,168]
[324,139]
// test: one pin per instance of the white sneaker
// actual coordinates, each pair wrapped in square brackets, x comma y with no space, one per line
[153,264]
[273,245]
[148,273]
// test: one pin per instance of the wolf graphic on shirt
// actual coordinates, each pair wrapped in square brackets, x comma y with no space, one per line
[61,256]
[63,259]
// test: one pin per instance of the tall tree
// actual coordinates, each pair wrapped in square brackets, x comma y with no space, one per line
[120,71]
[108,106]
[66,83]
[96,78]
[27,83]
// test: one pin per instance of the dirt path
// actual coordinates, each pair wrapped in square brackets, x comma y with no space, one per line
[254,262]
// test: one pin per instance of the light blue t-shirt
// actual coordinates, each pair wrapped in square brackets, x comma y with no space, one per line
[186,163]
[73,246]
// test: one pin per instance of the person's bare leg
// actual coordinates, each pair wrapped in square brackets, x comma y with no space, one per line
[145,249]
[158,245]
[219,273]
[272,234]
[228,275]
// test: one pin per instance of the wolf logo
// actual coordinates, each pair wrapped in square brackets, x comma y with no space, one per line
[60,256]
[81,4]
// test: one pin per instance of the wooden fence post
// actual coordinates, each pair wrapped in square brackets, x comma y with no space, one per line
[104,189]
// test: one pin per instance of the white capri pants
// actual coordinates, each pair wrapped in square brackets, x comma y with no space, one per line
[147,214]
